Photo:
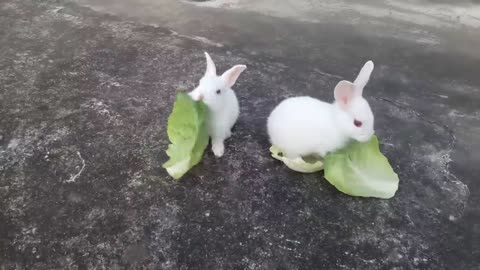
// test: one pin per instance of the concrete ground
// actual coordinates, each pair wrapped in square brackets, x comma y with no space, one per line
[86,88]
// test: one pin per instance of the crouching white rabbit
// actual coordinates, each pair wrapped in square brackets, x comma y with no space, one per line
[302,126]
[216,92]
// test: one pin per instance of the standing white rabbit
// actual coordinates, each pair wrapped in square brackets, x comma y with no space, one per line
[216,92]
[302,126]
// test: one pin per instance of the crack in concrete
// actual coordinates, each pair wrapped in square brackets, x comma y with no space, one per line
[73,178]
[327,74]
[197,38]
[452,142]
[403,106]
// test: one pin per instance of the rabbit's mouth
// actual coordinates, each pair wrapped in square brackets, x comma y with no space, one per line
[195,95]
[364,137]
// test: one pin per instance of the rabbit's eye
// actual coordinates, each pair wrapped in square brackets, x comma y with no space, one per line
[357,123]
[218,92]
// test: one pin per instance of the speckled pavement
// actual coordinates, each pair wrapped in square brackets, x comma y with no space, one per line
[84,99]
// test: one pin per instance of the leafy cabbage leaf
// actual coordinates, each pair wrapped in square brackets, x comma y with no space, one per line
[188,135]
[297,164]
[359,169]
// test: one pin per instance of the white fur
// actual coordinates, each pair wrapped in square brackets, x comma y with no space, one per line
[302,126]
[224,108]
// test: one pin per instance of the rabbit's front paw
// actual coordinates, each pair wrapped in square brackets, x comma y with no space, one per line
[218,149]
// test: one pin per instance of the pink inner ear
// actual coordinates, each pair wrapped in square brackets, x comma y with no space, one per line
[232,74]
[344,93]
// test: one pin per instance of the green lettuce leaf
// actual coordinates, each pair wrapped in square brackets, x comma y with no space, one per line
[360,169]
[188,135]
[298,164]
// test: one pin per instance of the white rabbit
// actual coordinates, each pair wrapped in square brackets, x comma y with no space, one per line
[216,92]
[302,126]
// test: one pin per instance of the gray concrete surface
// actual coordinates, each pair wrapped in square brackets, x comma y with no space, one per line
[86,88]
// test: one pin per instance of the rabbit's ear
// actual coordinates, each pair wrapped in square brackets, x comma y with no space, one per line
[211,69]
[363,77]
[230,76]
[344,93]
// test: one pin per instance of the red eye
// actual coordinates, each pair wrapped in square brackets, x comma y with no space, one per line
[357,123]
